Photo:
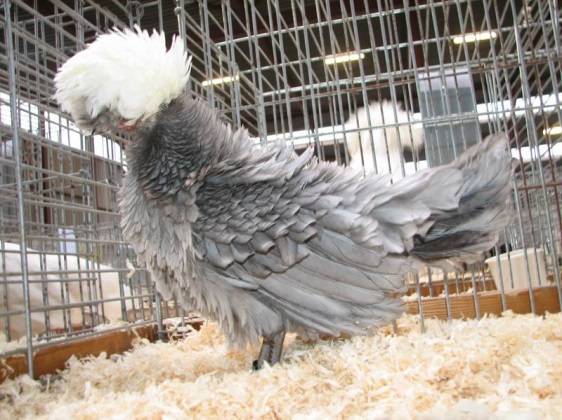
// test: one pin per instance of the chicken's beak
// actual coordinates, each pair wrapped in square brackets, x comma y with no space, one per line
[127,126]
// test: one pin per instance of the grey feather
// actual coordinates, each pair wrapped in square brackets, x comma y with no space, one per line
[302,236]
[262,242]
[241,252]
[288,249]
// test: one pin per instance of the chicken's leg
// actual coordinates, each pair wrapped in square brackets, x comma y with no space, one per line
[271,350]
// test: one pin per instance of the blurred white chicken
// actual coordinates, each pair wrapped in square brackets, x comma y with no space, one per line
[10,262]
[397,130]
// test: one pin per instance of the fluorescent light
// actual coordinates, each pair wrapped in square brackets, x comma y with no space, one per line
[343,58]
[476,36]
[220,80]
[555,130]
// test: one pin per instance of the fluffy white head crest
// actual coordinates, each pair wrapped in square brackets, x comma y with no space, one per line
[127,72]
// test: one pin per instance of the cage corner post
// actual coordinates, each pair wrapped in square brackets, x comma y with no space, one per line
[17,149]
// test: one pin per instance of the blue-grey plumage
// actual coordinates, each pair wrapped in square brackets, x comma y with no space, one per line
[262,240]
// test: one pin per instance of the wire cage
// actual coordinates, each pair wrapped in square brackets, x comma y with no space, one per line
[65,270]
[389,86]
[369,82]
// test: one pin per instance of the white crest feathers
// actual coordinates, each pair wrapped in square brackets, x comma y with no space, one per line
[128,72]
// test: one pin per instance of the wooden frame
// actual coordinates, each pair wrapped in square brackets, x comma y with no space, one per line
[50,359]
[462,306]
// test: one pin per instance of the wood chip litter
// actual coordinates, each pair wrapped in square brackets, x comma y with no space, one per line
[508,367]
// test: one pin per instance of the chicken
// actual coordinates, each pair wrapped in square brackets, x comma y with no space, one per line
[261,240]
[45,275]
[384,131]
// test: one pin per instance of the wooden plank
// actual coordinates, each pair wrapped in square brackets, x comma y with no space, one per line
[438,287]
[462,306]
[49,360]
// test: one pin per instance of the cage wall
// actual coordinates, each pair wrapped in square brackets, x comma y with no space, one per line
[436,78]
[81,276]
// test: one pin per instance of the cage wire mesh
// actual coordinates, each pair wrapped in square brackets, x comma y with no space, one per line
[59,226]
[367,81]
[390,86]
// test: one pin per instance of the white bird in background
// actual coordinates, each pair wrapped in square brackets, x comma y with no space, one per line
[397,130]
[49,286]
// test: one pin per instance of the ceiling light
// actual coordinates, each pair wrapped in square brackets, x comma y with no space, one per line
[552,131]
[220,81]
[343,58]
[476,36]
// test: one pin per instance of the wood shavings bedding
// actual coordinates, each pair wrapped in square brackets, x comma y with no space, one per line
[508,367]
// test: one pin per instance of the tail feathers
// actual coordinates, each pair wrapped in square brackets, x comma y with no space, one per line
[484,206]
